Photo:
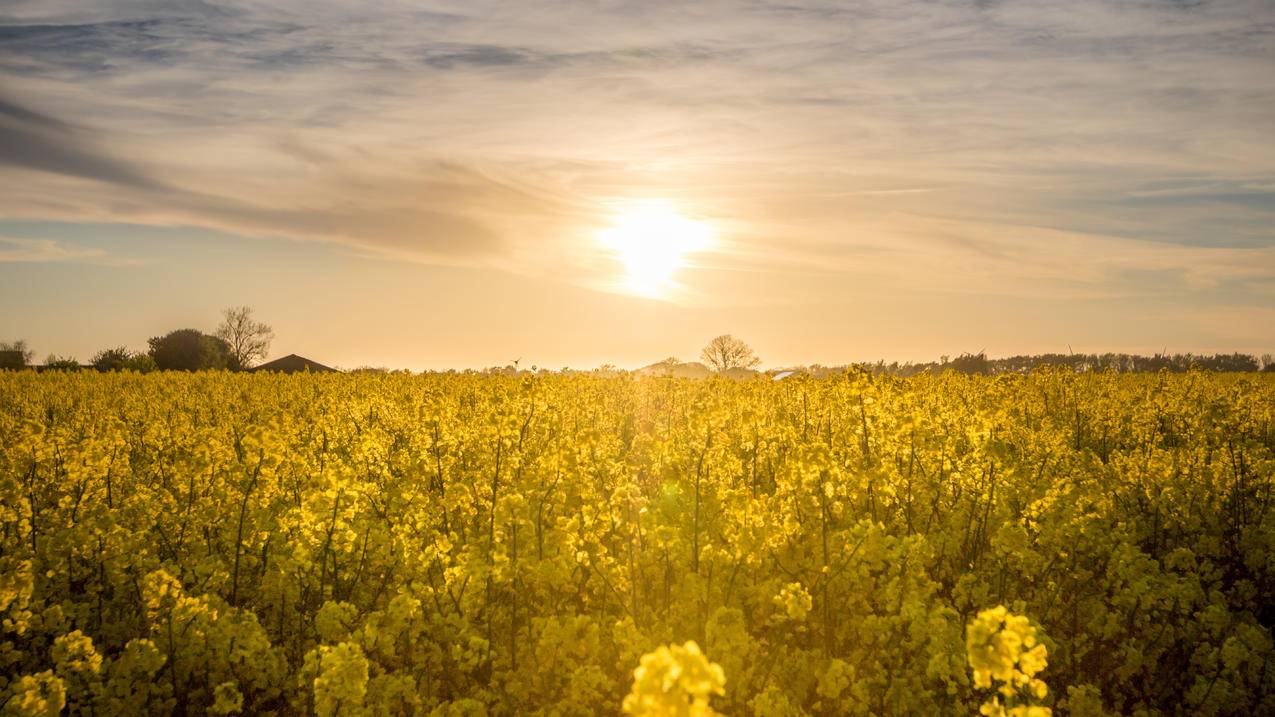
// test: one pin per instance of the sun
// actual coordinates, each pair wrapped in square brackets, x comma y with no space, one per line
[652,239]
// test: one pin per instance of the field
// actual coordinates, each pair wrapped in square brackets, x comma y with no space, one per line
[463,545]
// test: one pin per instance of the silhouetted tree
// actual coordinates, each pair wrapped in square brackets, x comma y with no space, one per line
[141,363]
[970,363]
[121,359]
[1230,362]
[190,350]
[727,352]
[248,340]
[111,359]
[61,363]
[15,354]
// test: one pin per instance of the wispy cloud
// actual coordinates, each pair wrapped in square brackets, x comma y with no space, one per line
[31,140]
[41,251]
[1032,146]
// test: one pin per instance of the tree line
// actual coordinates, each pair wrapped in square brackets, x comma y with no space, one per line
[979,363]
[238,343]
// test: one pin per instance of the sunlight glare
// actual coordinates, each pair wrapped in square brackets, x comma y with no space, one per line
[651,238]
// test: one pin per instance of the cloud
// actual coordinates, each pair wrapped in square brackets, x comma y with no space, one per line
[31,140]
[823,137]
[42,251]
[424,215]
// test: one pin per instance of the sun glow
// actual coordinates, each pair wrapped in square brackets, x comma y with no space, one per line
[651,238]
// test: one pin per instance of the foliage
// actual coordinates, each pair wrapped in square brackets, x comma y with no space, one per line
[190,350]
[113,359]
[969,363]
[461,544]
[15,354]
[979,363]
[141,363]
[61,363]
[121,359]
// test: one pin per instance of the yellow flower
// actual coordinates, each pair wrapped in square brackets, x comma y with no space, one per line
[39,695]
[795,600]
[674,681]
[1003,648]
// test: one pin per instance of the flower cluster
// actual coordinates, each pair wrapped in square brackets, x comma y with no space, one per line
[1004,652]
[795,601]
[674,681]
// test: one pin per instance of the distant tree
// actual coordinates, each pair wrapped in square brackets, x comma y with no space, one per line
[121,359]
[15,354]
[61,363]
[727,352]
[1268,362]
[249,340]
[111,359]
[190,350]
[141,363]
[970,363]
[1229,362]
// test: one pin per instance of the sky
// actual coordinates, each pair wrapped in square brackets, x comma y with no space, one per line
[432,185]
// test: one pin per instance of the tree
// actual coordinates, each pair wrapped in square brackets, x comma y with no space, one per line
[15,354]
[111,359]
[190,350]
[727,352]
[140,362]
[121,359]
[969,363]
[61,363]
[248,340]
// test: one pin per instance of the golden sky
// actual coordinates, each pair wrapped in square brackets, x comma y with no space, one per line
[465,183]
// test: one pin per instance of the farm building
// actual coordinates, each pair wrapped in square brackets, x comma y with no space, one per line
[293,363]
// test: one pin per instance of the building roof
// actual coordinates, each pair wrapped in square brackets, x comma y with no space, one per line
[293,363]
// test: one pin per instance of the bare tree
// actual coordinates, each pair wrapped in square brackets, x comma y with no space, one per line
[727,352]
[249,340]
